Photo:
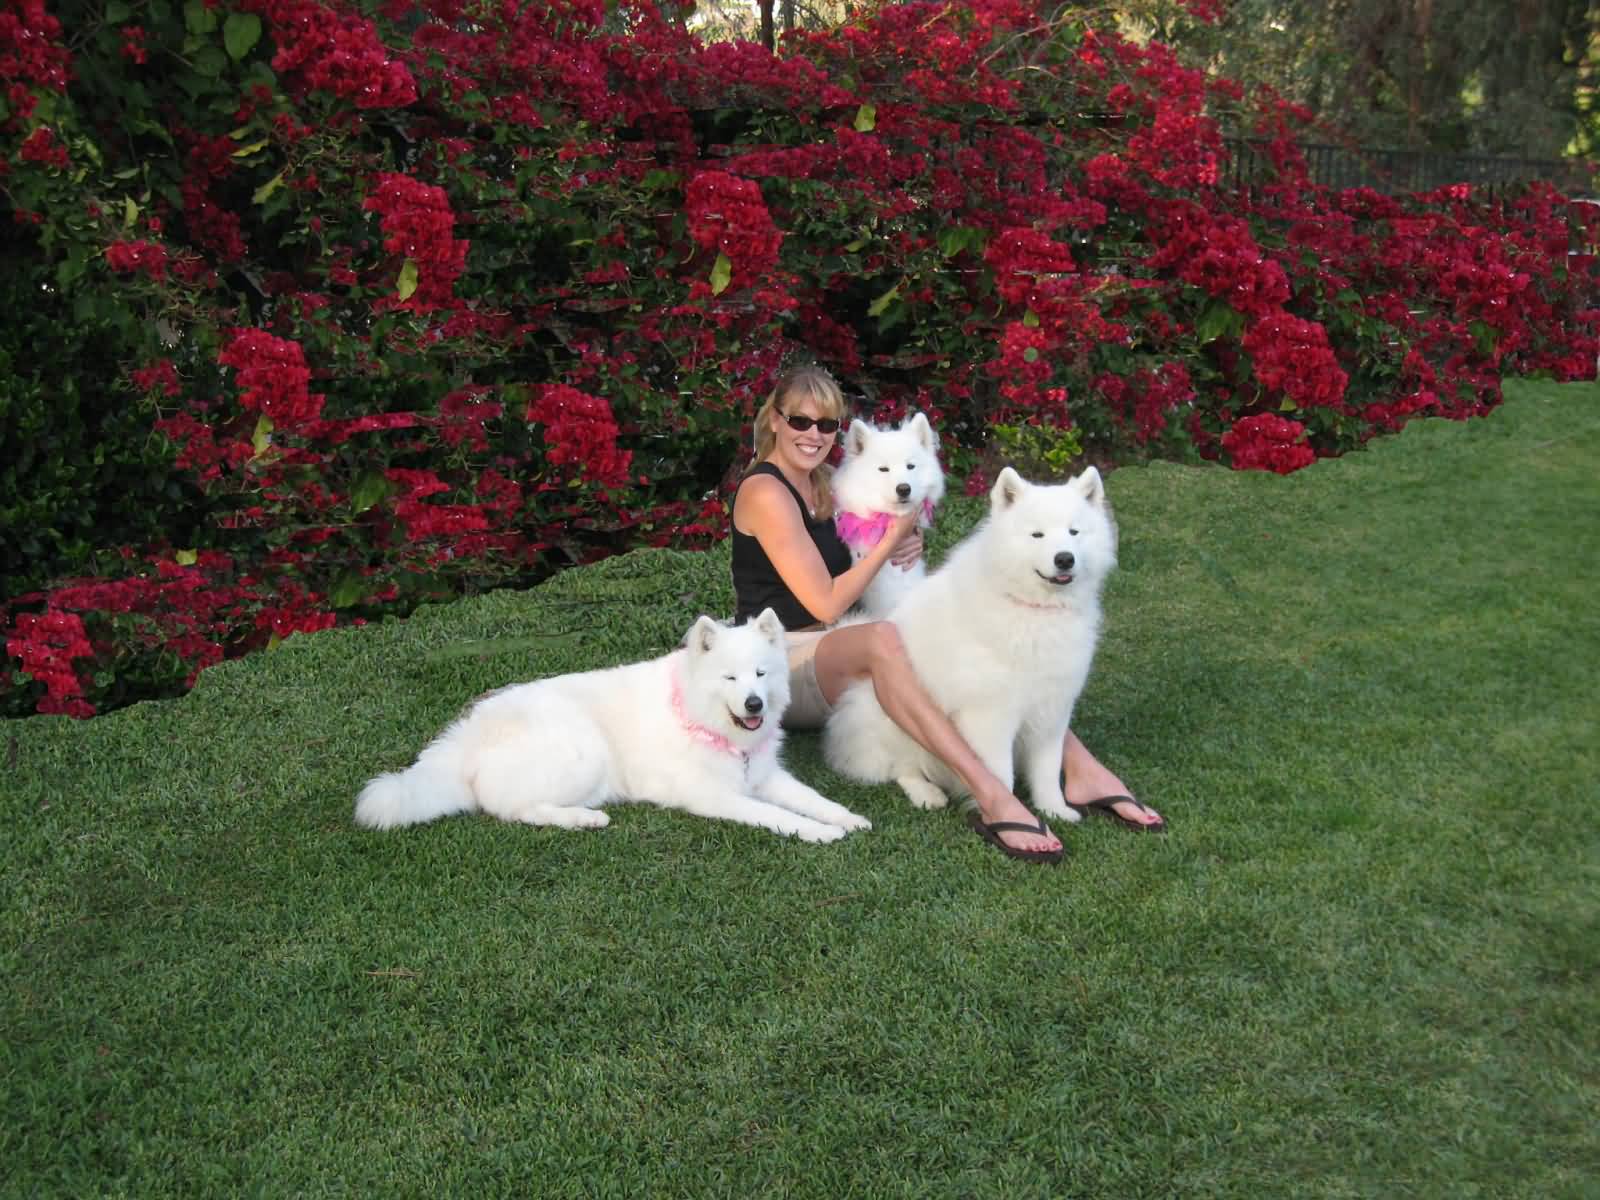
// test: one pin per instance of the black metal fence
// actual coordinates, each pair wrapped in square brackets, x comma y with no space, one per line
[1398,171]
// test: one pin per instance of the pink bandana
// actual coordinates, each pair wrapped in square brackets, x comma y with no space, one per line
[863,533]
[704,735]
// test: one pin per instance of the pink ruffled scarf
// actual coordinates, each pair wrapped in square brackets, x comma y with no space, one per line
[707,736]
[864,532]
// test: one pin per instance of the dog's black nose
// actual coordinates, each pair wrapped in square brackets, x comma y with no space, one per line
[1064,561]
[753,704]
[902,490]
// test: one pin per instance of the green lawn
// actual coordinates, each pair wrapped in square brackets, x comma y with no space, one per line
[1363,963]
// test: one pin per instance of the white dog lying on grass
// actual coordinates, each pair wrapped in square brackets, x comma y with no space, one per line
[697,729]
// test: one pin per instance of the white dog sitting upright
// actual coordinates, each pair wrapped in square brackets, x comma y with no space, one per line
[1002,635]
[696,729]
[886,472]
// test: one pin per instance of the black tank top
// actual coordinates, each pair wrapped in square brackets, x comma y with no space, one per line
[756,582]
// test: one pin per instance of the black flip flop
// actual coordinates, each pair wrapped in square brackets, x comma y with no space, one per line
[1106,805]
[991,831]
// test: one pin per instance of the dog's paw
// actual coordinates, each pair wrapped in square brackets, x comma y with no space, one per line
[1059,810]
[816,831]
[921,793]
[851,822]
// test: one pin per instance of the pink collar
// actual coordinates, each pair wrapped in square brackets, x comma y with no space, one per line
[705,735]
[864,532]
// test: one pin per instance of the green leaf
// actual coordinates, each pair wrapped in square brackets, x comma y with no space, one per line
[130,212]
[117,12]
[240,33]
[259,196]
[856,245]
[210,62]
[1030,319]
[347,589]
[369,488]
[721,274]
[71,267]
[875,309]
[1031,354]
[197,18]
[247,151]
[1217,319]
[185,558]
[407,283]
[962,237]
[866,118]
[261,439]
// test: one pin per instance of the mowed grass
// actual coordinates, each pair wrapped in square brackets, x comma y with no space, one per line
[1363,963]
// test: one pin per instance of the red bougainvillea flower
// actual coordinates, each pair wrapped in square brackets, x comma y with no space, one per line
[30,49]
[1266,442]
[580,433]
[45,644]
[418,225]
[160,376]
[727,215]
[273,377]
[129,257]
[41,147]
[1292,356]
[338,53]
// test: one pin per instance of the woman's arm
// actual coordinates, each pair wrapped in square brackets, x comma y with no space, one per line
[765,510]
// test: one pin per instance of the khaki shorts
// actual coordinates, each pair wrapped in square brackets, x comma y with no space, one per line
[807,708]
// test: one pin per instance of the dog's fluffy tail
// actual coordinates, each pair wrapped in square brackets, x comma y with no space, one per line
[431,789]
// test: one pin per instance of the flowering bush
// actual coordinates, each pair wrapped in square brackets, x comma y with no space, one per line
[417,298]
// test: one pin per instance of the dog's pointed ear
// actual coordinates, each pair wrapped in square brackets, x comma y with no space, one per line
[855,437]
[769,624]
[1092,487]
[1007,489]
[919,425]
[702,635]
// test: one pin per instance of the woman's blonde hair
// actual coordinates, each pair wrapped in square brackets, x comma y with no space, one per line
[815,384]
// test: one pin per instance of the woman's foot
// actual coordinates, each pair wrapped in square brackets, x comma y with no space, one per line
[1089,783]
[1005,809]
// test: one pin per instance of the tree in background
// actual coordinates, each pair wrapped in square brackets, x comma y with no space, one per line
[1508,77]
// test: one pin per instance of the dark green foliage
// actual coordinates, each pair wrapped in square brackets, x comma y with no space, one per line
[80,471]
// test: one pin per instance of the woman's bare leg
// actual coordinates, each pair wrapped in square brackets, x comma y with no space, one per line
[1089,779]
[874,651]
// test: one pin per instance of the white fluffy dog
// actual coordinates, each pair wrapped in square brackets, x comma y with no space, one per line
[886,472]
[697,729]
[1002,635]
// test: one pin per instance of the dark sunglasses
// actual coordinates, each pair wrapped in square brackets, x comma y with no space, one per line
[801,424]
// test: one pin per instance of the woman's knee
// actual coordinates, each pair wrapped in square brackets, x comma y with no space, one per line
[888,647]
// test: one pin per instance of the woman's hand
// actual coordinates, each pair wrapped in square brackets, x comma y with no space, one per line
[906,537]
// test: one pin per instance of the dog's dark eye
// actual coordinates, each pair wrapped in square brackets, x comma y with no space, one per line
[761,674]
[729,678]
[1038,535]
[911,466]
[885,470]
[1073,532]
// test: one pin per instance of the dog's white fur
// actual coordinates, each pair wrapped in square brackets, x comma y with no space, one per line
[697,729]
[1002,635]
[887,471]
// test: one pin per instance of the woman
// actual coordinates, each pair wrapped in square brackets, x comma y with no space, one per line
[787,555]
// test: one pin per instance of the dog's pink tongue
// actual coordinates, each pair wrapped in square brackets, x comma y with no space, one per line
[751,723]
